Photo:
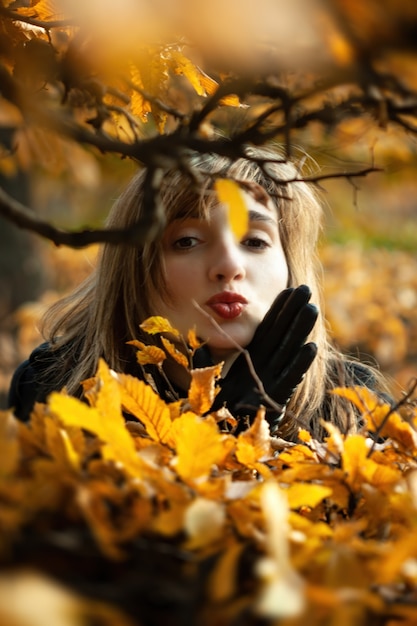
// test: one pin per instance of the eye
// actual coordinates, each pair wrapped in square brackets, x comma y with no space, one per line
[256,243]
[185,243]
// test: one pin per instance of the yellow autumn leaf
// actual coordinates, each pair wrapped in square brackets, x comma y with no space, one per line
[230,194]
[360,468]
[254,444]
[203,391]
[364,399]
[192,339]
[138,104]
[211,86]
[178,356]
[378,415]
[306,494]
[185,67]
[199,446]
[148,355]
[60,446]
[157,324]
[9,446]
[141,401]
[105,420]
[43,10]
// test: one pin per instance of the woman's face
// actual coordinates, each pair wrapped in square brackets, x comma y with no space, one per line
[211,275]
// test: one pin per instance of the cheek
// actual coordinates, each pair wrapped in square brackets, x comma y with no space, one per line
[180,279]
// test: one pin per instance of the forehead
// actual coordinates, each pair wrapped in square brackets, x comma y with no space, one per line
[192,203]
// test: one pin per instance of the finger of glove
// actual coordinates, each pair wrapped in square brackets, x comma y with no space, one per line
[295,338]
[286,384]
[270,335]
[270,356]
[273,312]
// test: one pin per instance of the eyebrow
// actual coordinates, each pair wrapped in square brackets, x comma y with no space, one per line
[255,216]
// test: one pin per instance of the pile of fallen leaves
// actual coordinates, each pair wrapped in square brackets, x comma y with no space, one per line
[371,301]
[169,518]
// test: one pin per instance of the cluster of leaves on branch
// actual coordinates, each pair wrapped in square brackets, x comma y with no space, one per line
[259,529]
[156,85]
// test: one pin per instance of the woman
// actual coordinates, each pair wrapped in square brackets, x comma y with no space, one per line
[197,274]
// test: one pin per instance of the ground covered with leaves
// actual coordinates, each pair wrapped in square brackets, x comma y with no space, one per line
[169,518]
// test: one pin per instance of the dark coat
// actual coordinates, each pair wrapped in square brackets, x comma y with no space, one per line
[34,380]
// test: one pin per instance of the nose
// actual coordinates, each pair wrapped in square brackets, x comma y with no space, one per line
[227,263]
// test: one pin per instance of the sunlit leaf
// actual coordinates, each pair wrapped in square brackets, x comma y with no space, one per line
[176,354]
[254,445]
[211,87]
[202,391]
[192,339]
[184,66]
[141,401]
[148,355]
[104,420]
[157,324]
[230,194]
[360,468]
[43,10]
[199,445]
[306,494]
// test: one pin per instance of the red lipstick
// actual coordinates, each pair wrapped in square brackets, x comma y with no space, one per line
[227,304]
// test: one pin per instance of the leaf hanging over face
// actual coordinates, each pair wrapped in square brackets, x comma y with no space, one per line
[202,390]
[157,324]
[230,194]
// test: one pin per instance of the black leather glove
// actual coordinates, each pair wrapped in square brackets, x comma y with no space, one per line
[280,357]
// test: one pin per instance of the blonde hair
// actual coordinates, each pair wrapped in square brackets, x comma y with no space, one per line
[99,317]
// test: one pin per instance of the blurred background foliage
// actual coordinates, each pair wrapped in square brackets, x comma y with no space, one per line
[353,106]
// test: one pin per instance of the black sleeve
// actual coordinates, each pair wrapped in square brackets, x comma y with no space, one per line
[27,385]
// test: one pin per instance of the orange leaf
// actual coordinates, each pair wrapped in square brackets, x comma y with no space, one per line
[148,355]
[178,356]
[9,448]
[192,340]
[202,389]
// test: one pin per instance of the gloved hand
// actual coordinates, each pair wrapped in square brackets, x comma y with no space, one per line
[280,357]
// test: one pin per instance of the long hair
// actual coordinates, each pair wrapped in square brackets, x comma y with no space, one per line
[104,313]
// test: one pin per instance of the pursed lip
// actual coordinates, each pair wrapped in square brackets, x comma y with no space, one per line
[226,297]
